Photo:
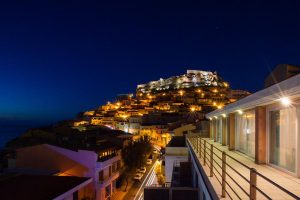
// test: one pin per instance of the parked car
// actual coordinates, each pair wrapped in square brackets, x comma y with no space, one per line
[149,161]
[143,170]
[138,176]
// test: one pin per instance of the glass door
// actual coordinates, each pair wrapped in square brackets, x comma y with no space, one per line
[245,133]
[282,138]
[219,130]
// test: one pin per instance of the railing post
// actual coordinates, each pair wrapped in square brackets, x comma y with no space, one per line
[253,184]
[223,174]
[197,145]
[200,147]
[211,160]
[204,156]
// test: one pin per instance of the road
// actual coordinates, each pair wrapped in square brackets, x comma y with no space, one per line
[136,192]
[149,180]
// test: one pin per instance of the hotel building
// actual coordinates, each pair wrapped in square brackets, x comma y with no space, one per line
[253,151]
[103,168]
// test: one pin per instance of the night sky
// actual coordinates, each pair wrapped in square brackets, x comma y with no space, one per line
[58,58]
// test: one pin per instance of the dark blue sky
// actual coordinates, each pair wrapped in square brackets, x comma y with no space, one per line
[58,57]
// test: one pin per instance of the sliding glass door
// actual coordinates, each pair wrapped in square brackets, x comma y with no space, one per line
[282,138]
[245,133]
[219,129]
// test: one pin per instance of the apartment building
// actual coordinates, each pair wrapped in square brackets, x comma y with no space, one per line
[253,148]
[102,168]
[264,126]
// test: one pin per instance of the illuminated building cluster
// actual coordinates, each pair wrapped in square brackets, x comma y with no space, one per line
[158,104]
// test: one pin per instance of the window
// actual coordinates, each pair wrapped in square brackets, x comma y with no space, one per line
[245,133]
[101,176]
[282,138]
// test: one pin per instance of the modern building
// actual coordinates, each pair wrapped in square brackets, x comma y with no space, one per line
[253,149]
[178,171]
[103,168]
[176,151]
[264,126]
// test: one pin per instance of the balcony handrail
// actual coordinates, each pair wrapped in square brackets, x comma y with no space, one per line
[201,148]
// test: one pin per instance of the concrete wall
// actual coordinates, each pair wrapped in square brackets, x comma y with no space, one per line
[180,131]
[169,163]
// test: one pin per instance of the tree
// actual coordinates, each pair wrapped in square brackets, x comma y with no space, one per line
[135,153]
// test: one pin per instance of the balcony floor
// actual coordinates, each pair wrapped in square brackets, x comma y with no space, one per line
[283,179]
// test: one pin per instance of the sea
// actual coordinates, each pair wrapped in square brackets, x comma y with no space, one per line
[10,129]
[9,133]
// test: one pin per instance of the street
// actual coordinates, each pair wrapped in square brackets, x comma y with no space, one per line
[137,190]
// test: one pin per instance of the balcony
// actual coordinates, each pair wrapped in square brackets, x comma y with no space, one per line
[108,161]
[108,179]
[236,176]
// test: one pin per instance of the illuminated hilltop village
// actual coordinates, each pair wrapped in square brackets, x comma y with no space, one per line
[160,109]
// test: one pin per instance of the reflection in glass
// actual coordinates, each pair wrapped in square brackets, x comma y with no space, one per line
[282,142]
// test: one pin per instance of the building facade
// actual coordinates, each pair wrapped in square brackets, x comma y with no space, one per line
[264,126]
[81,163]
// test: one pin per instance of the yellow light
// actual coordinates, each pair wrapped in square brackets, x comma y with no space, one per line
[224,115]
[240,112]
[216,117]
[225,84]
[181,92]
[285,101]
[219,106]
[118,104]
[214,103]
[199,90]
[210,118]
[215,90]
[164,94]
[193,109]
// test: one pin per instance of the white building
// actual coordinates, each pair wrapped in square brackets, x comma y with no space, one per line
[176,152]
[81,163]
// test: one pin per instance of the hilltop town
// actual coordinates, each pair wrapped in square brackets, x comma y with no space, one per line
[164,108]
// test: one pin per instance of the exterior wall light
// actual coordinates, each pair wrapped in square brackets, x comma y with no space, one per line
[224,115]
[285,101]
[215,117]
[240,112]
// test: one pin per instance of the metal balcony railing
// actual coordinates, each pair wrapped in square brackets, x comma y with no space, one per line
[219,167]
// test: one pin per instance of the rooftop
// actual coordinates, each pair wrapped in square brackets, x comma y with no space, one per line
[177,141]
[36,187]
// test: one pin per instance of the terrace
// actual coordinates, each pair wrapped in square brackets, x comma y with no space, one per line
[233,175]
